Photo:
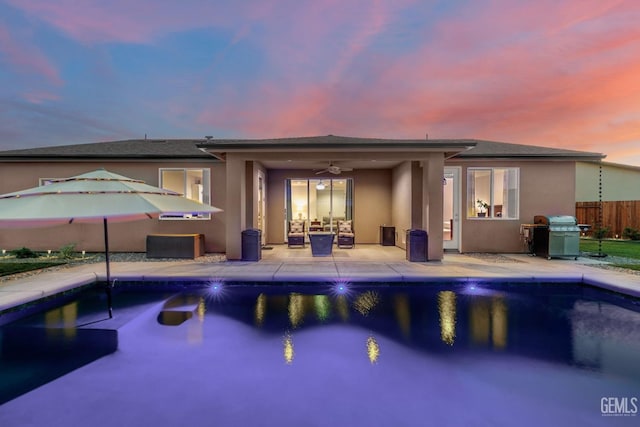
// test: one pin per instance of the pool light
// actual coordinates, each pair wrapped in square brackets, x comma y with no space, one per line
[341,287]
[215,289]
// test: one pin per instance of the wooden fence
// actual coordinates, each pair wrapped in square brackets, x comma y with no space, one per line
[615,215]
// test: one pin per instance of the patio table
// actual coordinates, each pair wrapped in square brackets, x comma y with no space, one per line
[321,243]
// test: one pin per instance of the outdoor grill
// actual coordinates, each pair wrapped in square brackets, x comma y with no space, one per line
[556,236]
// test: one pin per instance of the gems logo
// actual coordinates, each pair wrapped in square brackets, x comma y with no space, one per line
[619,406]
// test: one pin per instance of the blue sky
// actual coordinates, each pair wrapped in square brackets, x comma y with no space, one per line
[552,73]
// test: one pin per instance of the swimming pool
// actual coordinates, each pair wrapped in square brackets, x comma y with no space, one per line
[336,354]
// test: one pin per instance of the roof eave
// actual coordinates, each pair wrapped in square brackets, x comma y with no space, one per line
[564,157]
[101,157]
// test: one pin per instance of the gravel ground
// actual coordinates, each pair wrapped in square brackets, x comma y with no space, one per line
[617,260]
[605,265]
[99,258]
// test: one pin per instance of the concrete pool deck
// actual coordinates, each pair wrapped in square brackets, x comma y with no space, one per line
[370,263]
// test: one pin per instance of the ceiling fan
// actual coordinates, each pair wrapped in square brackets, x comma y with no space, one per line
[334,169]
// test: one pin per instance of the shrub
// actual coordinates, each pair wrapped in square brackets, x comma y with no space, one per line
[24,253]
[601,233]
[67,251]
[631,233]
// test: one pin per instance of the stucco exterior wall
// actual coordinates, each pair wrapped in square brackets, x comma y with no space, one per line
[401,211]
[123,237]
[546,188]
[619,183]
[391,197]
[372,202]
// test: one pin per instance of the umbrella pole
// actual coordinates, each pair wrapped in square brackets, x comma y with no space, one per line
[106,256]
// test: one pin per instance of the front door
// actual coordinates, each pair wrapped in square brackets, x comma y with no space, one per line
[451,208]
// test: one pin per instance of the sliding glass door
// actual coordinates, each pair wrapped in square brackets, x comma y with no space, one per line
[319,202]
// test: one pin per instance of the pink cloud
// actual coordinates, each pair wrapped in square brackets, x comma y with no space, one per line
[545,72]
[26,58]
[530,89]
[39,97]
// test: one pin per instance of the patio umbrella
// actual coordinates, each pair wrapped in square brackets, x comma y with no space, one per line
[97,196]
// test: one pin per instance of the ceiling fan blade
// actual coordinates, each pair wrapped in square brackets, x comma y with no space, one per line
[346,169]
[322,171]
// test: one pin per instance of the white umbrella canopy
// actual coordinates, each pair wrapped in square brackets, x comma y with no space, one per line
[97,196]
[90,197]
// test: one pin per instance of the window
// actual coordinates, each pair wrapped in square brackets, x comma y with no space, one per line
[493,193]
[320,202]
[46,181]
[191,183]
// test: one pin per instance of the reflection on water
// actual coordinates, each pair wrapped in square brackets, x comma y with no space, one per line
[366,302]
[296,309]
[373,349]
[499,322]
[174,317]
[479,321]
[488,318]
[62,321]
[605,337]
[288,349]
[260,310]
[61,336]
[403,314]
[572,326]
[447,310]
[323,307]
[342,307]
[202,309]
[551,323]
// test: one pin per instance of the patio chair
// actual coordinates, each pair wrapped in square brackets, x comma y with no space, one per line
[295,236]
[346,236]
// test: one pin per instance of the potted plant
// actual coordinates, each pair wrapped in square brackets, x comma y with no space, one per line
[482,208]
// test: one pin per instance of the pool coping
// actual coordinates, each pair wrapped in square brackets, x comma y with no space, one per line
[20,292]
[386,267]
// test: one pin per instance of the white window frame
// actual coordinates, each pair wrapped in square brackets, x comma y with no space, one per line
[471,204]
[46,181]
[206,182]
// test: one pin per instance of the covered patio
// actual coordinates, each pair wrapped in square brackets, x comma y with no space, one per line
[396,182]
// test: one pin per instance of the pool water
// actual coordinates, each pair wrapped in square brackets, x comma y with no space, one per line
[329,354]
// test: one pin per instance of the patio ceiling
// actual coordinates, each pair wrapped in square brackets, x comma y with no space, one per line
[322,163]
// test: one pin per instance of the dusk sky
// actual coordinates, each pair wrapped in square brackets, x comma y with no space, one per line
[546,72]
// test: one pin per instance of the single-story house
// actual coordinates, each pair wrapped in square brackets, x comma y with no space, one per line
[469,195]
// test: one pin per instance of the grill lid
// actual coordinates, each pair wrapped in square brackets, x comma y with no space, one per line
[559,220]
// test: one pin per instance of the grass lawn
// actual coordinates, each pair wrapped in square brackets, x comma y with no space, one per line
[621,248]
[7,268]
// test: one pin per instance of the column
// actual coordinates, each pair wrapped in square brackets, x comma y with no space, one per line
[235,209]
[433,199]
